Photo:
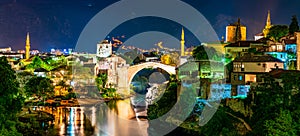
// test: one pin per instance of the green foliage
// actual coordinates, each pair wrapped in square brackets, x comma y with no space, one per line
[37,62]
[101,80]
[70,96]
[294,27]
[277,111]
[205,53]
[282,125]
[11,101]
[220,124]
[110,93]
[49,63]
[165,103]
[39,86]
[277,31]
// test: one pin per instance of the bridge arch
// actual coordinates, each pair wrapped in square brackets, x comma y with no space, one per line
[133,70]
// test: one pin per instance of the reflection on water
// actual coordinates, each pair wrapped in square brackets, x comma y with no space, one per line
[107,119]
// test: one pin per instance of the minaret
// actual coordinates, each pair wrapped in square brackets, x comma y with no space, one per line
[182,43]
[268,24]
[27,53]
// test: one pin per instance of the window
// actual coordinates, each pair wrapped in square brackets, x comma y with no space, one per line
[240,78]
[242,69]
[258,64]
[244,50]
[264,65]
[234,77]
[279,47]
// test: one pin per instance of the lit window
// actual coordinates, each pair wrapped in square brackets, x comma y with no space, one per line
[279,47]
[240,78]
[273,47]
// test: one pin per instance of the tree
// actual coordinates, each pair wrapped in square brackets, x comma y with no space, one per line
[170,59]
[23,78]
[277,31]
[282,125]
[166,59]
[37,62]
[40,87]
[101,81]
[63,85]
[11,100]
[205,53]
[294,27]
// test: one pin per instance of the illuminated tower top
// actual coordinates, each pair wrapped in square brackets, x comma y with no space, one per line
[268,24]
[27,39]
[182,43]
[182,35]
[27,46]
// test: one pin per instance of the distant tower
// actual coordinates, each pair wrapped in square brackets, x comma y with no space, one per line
[238,33]
[182,53]
[104,49]
[268,24]
[235,32]
[27,47]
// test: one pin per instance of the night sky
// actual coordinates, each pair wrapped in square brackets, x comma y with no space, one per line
[58,23]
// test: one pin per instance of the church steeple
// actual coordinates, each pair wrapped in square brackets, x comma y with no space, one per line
[182,43]
[268,24]
[27,46]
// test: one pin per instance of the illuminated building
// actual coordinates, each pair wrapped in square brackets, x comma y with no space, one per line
[258,36]
[250,69]
[5,49]
[298,49]
[240,48]
[116,70]
[290,45]
[27,47]
[235,32]
[104,49]
[40,72]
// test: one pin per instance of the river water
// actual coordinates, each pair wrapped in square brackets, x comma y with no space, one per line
[105,119]
[114,118]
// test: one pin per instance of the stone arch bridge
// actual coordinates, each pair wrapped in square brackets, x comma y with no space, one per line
[122,76]
[133,70]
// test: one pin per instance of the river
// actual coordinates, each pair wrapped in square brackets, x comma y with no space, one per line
[114,118]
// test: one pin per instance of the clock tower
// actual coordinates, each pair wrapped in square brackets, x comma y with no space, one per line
[104,49]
